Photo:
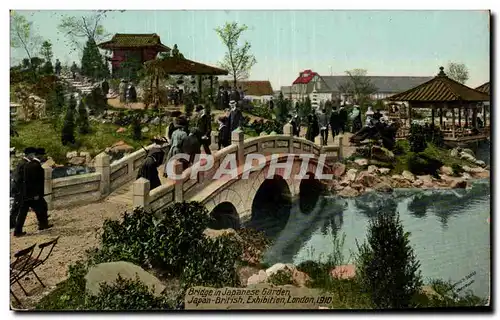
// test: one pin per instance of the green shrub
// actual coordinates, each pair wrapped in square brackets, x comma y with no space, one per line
[68,130]
[126,295]
[387,268]
[422,164]
[421,135]
[457,169]
[136,127]
[261,111]
[281,278]
[402,147]
[83,119]
[212,262]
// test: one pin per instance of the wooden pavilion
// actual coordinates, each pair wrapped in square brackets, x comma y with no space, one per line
[445,94]
[138,47]
[182,66]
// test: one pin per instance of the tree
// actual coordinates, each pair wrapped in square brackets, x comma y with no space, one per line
[136,127]
[96,100]
[281,109]
[22,35]
[458,72]
[386,264]
[237,60]
[46,52]
[84,28]
[55,103]
[305,108]
[83,118]
[68,130]
[93,64]
[358,86]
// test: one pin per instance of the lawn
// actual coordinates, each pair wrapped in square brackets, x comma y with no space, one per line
[42,133]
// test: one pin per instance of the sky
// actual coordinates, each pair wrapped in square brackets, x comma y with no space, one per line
[385,43]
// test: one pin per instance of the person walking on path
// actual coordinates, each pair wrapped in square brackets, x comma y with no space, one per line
[177,140]
[356,119]
[295,122]
[74,70]
[335,122]
[58,68]
[33,194]
[323,127]
[18,183]
[343,118]
[312,127]
[224,133]
[204,125]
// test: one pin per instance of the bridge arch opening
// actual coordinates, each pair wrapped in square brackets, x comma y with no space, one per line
[224,216]
[310,190]
[271,206]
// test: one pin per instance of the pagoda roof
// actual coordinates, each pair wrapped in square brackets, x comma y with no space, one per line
[484,88]
[182,66]
[440,89]
[129,40]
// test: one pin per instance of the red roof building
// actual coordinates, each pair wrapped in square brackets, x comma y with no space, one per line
[305,77]
[141,47]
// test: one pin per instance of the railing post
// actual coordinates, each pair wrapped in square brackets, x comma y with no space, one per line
[102,166]
[340,152]
[141,193]
[288,131]
[214,144]
[47,187]
[238,138]
[178,192]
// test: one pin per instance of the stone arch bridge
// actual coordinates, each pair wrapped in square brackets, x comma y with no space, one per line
[259,185]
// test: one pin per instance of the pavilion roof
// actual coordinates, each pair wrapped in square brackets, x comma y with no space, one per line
[484,88]
[440,89]
[128,40]
[182,66]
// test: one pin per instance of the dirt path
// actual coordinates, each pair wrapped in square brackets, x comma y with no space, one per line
[77,227]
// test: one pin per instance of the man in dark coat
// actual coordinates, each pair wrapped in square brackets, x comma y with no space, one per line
[295,122]
[32,195]
[18,183]
[221,105]
[235,95]
[335,122]
[343,118]
[323,126]
[204,125]
[57,67]
[312,127]
[191,145]
[235,116]
[224,133]
[149,169]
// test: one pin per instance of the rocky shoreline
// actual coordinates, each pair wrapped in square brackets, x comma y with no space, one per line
[362,177]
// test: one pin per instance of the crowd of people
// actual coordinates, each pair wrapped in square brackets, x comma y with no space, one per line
[189,136]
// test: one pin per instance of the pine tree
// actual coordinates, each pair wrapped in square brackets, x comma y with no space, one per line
[83,118]
[93,63]
[386,264]
[55,103]
[68,130]
[282,109]
[136,127]
[96,101]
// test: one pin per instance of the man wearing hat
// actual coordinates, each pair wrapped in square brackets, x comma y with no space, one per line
[149,169]
[235,116]
[32,194]
[19,183]
[204,125]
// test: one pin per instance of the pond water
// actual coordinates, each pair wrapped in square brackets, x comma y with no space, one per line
[450,232]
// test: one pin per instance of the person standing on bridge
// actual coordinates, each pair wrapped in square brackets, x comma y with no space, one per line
[178,137]
[149,169]
[323,127]
[32,194]
[312,127]
[204,125]
[235,116]
[224,133]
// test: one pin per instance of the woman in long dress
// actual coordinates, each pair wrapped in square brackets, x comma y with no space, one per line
[178,137]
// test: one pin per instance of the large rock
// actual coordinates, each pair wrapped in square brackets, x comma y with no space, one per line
[382,154]
[344,272]
[156,121]
[418,183]
[384,171]
[300,278]
[348,192]
[480,163]
[280,266]
[467,156]
[446,170]
[71,154]
[458,184]
[108,273]
[367,179]
[351,175]
[454,152]
[383,187]
[361,162]
[77,161]
[372,169]
[338,169]
[469,151]
[408,176]
[260,277]
[119,147]
[473,170]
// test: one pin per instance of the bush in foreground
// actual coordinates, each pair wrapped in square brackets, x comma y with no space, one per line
[387,268]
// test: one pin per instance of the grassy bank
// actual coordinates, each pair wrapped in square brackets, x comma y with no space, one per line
[44,134]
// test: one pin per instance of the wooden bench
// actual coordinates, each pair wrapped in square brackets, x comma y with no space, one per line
[25,263]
